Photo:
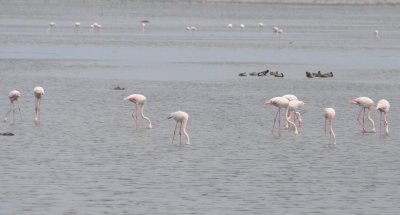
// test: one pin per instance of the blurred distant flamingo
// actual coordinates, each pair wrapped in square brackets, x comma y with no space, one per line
[13,96]
[293,106]
[383,106]
[77,26]
[364,102]
[138,99]
[182,117]
[279,102]
[376,32]
[52,26]
[38,92]
[329,114]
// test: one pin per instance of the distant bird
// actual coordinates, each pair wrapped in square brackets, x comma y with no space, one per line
[253,74]
[13,96]
[327,75]
[95,27]
[365,103]
[329,113]
[229,26]
[51,27]
[243,74]
[138,99]
[279,75]
[143,25]
[191,28]
[293,106]
[181,117]
[242,26]
[383,106]
[260,25]
[376,32]
[38,92]
[279,102]
[278,31]
[273,73]
[310,75]
[77,26]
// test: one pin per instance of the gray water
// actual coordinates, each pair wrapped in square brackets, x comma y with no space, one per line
[87,157]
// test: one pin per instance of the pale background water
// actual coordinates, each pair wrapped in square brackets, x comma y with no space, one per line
[86,157]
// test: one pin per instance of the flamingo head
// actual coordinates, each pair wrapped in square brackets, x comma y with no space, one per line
[269,102]
[170,116]
[354,101]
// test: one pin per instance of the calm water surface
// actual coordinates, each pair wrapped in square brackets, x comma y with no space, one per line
[86,156]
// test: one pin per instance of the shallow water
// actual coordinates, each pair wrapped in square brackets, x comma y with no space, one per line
[86,156]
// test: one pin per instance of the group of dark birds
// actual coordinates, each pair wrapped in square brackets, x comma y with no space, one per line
[264,73]
[319,74]
[280,75]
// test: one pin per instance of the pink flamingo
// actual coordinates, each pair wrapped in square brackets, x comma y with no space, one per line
[383,106]
[182,117]
[13,96]
[297,115]
[138,99]
[279,102]
[38,92]
[292,106]
[329,113]
[364,102]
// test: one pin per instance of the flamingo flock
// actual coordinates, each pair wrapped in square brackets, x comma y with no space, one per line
[289,102]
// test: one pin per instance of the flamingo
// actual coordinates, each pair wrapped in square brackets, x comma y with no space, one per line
[329,113]
[376,32]
[77,26]
[182,117]
[260,25]
[13,96]
[38,92]
[297,115]
[229,26]
[52,26]
[279,102]
[138,99]
[364,102]
[278,31]
[292,106]
[143,25]
[242,26]
[383,106]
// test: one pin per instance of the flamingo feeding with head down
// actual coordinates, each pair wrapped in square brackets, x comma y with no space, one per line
[138,99]
[182,117]
[297,115]
[364,102]
[13,96]
[383,106]
[279,102]
[329,113]
[293,106]
[38,92]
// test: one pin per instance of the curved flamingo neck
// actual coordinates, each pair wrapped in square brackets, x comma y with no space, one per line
[143,116]
[370,119]
[290,122]
[184,123]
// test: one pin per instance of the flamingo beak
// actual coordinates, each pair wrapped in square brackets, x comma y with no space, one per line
[268,102]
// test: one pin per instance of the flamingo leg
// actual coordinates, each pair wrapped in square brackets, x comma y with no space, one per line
[358,118]
[325,126]
[173,137]
[19,109]
[8,112]
[137,122]
[363,121]
[180,134]
[380,124]
[279,111]
[276,115]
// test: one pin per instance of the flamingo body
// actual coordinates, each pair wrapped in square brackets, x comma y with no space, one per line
[138,99]
[329,113]
[182,118]
[365,103]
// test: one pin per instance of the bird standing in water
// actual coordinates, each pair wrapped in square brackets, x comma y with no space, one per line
[329,114]
[138,99]
[364,102]
[383,106]
[38,92]
[13,96]
[181,117]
